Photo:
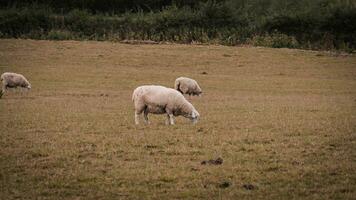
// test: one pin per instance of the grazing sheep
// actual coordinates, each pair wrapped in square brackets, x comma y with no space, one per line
[13,80]
[162,100]
[187,86]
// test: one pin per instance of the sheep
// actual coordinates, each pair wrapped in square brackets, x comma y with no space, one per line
[13,80]
[187,86]
[157,99]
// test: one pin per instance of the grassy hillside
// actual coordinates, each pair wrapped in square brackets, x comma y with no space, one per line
[282,120]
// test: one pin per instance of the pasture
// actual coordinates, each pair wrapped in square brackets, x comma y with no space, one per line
[282,120]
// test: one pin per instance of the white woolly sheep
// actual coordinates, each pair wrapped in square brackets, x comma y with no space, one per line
[13,80]
[187,86]
[162,100]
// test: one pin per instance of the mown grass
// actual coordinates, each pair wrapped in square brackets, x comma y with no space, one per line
[282,120]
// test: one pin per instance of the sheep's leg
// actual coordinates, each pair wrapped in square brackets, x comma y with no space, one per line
[170,116]
[145,115]
[139,108]
[171,119]
[21,90]
[2,90]
[137,116]
[167,120]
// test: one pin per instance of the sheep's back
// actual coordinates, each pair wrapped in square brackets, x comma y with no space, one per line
[157,95]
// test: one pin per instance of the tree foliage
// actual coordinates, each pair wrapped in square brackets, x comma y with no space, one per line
[304,23]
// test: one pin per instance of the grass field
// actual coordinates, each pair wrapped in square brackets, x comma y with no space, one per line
[283,121]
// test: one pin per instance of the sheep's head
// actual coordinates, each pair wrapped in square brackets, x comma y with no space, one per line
[198,91]
[26,85]
[194,117]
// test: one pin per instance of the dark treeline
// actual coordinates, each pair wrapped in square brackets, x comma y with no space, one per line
[102,6]
[316,24]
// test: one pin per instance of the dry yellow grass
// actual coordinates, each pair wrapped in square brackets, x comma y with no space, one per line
[284,122]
